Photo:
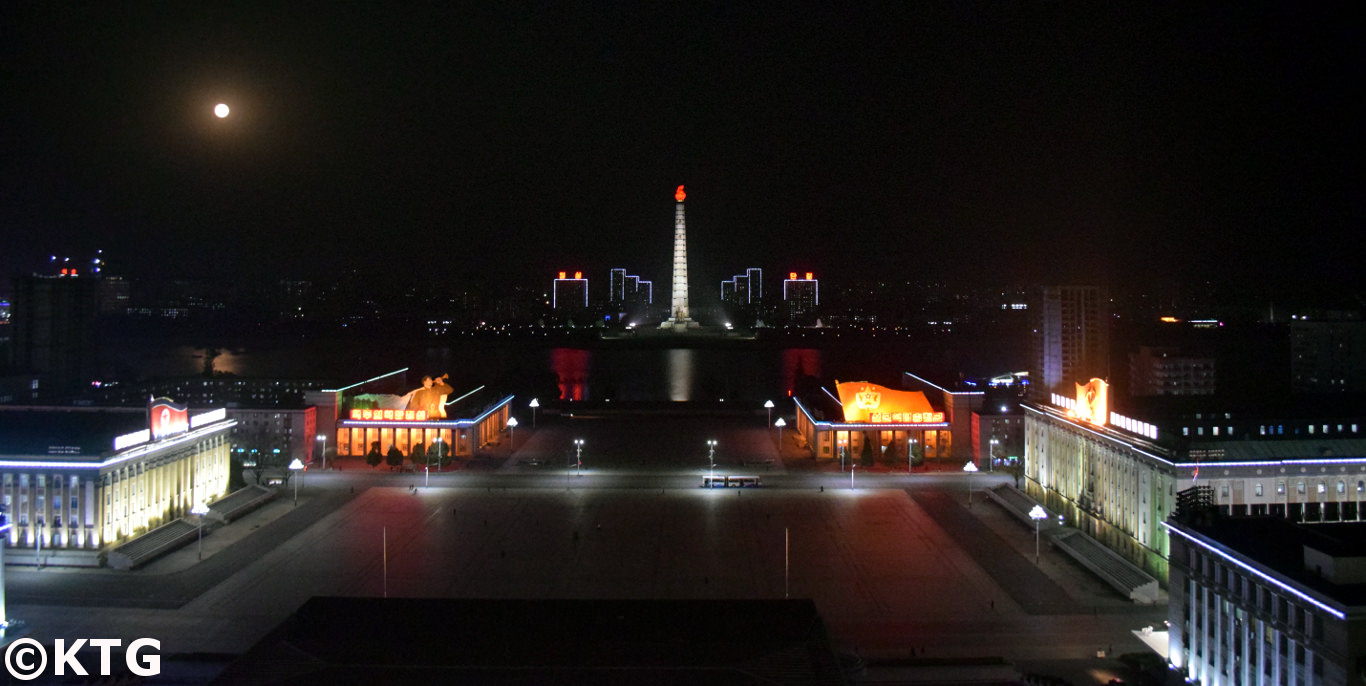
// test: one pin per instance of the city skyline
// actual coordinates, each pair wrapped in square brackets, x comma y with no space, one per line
[1028,144]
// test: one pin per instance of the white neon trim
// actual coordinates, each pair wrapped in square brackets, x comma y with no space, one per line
[1263,575]
[138,451]
[1107,436]
[449,402]
[377,378]
[941,388]
[1272,463]
[132,439]
[495,408]
[210,417]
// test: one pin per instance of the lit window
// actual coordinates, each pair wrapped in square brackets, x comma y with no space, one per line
[1323,488]
[1342,487]
[1259,489]
[1280,488]
[1299,488]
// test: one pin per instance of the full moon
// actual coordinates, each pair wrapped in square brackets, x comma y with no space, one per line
[220,110]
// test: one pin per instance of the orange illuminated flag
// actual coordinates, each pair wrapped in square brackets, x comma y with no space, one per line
[867,402]
[1093,401]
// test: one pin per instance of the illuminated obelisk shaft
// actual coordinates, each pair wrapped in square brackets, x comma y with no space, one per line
[678,303]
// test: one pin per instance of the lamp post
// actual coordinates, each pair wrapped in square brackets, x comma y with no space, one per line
[199,510]
[297,467]
[970,468]
[436,448]
[711,456]
[780,424]
[323,438]
[512,435]
[852,467]
[991,456]
[533,405]
[1037,514]
[768,405]
[578,457]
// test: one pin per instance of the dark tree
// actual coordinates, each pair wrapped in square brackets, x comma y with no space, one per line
[373,458]
[419,455]
[393,458]
[866,456]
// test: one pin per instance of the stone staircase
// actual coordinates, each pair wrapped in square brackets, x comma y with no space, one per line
[153,544]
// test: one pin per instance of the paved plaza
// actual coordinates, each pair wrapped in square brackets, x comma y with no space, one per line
[897,565]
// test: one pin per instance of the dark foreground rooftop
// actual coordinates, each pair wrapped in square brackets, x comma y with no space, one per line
[332,640]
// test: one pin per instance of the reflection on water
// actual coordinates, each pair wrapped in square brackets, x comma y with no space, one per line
[616,374]
[680,374]
[571,366]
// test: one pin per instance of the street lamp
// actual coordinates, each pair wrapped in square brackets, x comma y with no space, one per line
[199,510]
[296,466]
[534,404]
[852,467]
[991,456]
[970,468]
[1037,514]
[780,424]
[711,456]
[578,457]
[436,448]
[323,438]
[768,405]
[512,435]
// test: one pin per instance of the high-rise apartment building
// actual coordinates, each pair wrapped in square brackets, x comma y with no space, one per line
[1327,356]
[570,293]
[1166,370]
[54,329]
[616,286]
[801,298]
[1071,338]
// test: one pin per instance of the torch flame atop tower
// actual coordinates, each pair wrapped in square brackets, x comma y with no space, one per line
[679,194]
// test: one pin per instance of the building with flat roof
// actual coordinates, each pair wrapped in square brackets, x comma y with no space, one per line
[78,480]
[866,422]
[1263,600]
[801,299]
[1116,476]
[1071,337]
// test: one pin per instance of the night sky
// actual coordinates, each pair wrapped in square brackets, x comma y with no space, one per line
[1118,143]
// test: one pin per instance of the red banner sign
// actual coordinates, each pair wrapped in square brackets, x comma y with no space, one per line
[390,415]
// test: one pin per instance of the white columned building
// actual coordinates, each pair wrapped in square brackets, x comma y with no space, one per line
[678,303]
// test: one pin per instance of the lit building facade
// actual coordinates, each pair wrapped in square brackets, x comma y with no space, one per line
[79,480]
[874,422]
[801,298]
[1116,477]
[406,430]
[1071,337]
[569,293]
[1260,601]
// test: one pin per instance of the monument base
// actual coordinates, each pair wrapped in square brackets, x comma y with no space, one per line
[680,325]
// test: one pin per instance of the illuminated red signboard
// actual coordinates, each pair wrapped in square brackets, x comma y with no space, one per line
[866,402]
[390,415]
[166,418]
